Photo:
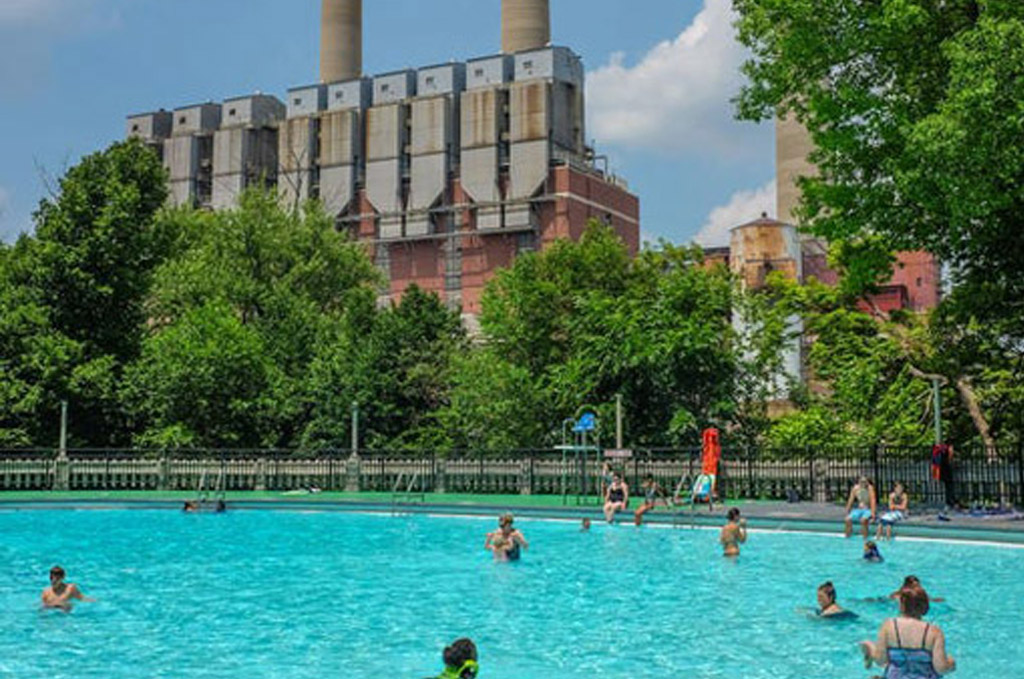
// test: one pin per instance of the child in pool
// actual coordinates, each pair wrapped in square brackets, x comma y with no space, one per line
[871,552]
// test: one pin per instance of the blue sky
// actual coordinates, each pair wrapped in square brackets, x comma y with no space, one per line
[660,76]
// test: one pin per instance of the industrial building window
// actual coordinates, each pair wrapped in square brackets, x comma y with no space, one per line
[232,112]
[479,73]
[385,88]
[297,101]
[528,65]
[340,94]
[182,120]
[430,80]
[919,282]
[135,128]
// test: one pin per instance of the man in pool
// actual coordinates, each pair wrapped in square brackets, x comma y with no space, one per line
[59,594]
[863,494]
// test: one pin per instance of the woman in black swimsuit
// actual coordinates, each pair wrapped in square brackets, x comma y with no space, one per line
[616,497]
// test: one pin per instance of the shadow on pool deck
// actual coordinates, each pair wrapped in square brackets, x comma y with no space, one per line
[802,516]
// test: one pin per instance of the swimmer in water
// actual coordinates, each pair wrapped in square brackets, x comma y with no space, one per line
[501,546]
[585,525]
[59,594]
[827,606]
[460,660]
[508,531]
[871,552]
[734,533]
[914,581]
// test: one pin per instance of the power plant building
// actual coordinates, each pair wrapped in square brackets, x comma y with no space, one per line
[444,172]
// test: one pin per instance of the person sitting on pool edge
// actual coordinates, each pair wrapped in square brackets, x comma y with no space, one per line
[907,646]
[460,660]
[863,493]
[616,497]
[508,531]
[898,505]
[652,491]
[734,533]
[827,606]
[59,594]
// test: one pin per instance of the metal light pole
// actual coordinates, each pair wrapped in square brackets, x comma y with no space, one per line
[937,392]
[355,429]
[63,451]
[618,421]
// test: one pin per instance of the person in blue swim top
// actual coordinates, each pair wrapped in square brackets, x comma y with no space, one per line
[864,496]
[827,606]
[871,552]
[460,660]
[907,646]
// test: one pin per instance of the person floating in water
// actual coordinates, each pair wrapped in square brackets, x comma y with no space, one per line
[60,594]
[734,533]
[898,507]
[871,552]
[827,606]
[863,495]
[652,491]
[907,646]
[616,497]
[585,525]
[508,532]
[460,660]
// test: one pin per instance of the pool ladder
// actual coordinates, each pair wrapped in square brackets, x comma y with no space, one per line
[687,510]
[403,496]
[203,492]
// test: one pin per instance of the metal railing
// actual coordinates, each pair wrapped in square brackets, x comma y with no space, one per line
[993,476]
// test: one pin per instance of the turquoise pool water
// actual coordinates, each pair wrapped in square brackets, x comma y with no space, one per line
[290,595]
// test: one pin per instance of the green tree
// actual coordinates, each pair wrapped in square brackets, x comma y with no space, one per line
[72,295]
[914,109]
[396,364]
[288,277]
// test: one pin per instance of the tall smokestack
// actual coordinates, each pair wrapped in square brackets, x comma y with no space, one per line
[341,40]
[525,25]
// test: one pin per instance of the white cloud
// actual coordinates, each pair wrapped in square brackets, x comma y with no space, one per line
[743,207]
[678,96]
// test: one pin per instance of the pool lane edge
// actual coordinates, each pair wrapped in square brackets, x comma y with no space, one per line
[681,522]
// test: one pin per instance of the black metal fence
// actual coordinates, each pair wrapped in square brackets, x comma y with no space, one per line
[990,476]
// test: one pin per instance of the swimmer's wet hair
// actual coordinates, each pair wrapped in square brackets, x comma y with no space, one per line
[461,650]
[829,589]
[733,514]
[914,601]
[57,571]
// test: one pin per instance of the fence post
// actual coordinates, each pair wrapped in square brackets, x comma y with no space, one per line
[261,474]
[1020,471]
[163,468]
[353,468]
[874,463]
[440,476]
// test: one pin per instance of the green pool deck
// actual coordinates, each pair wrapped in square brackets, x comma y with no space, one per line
[763,515]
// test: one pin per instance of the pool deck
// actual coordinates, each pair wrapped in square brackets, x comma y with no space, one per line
[762,515]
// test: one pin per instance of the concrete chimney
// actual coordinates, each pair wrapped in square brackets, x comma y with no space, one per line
[525,25]
[341,40]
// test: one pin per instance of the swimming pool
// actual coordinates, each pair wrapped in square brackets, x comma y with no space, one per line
[292,595]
